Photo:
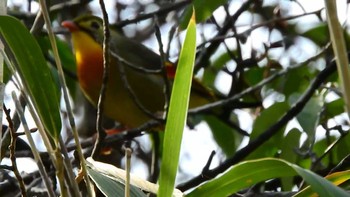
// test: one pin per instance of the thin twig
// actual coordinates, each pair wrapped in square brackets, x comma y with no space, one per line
[154,165]
[131,92]
[137,68]
[207,165]
[256,26]
[67,163]
[68,106]
[330,147]
[162,11]
[6,167]
[267,134]
[101,134]
[167,89]
[128,152]
[12,148]
[220,103]
[206,53]
[35,152]
[25,100]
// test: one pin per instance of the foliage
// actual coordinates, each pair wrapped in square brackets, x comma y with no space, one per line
[277,115]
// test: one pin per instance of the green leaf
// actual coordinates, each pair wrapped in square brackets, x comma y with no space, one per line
[226,137]
[308,118]
[213,69]
[319,149]
[333,108]
[254,75]
[204,9]
[177,114]
[65,52]
[111,180]
[110,187]
[107,186]
[68,62]
[246,174]
[242,176]
[341,150]
[34,72]
[336,178]
[296,80]
[320,185]
[290,143]
[319,34]
[266,119]
[7,74]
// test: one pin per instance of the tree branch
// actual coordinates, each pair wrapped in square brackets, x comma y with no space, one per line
[266,135]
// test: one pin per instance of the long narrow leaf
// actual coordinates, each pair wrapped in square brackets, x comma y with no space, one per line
[246,174]
[177,112]
[34,72]
[336,178]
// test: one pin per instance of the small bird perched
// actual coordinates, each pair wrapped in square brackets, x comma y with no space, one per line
[119,105]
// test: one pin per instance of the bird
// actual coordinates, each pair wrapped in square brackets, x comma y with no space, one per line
[148,88]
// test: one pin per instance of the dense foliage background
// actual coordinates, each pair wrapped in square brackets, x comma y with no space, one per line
[279,103]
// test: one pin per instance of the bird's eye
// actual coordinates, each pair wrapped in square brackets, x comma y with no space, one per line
[95,25]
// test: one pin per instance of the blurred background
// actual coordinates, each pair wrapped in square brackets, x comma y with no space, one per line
[240,44]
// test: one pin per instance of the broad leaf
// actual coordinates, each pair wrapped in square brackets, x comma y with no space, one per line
[266,119]
[30,63]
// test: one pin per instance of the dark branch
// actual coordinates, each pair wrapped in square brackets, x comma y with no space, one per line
[159,12]
[267,134]
[206,53]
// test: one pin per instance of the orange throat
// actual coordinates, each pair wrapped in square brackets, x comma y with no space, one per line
[88,54]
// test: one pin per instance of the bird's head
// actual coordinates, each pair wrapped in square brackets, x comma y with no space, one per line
[90,24]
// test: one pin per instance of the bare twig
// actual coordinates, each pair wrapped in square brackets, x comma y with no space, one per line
[12,148]
[60,174]
[101,134]
[331,146]
[67,163]
[138,68]
[256,26]
[132,93]
[167,90]
[128,152]
[220,103]
[37,158]
[162,11]
[206,53]
[207,165]
[267,134]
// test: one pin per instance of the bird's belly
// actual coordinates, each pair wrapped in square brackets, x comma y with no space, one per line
[119,104]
